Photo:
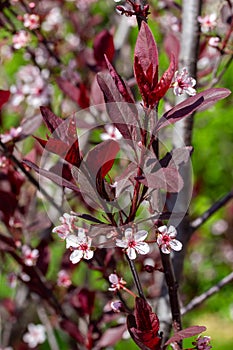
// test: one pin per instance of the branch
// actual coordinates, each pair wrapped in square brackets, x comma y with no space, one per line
[135,277]
[195,224]
[30,177]
[201,298]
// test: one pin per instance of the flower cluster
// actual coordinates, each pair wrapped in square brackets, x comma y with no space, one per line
[183,83]
[31,86]
[21,39]
[76,239]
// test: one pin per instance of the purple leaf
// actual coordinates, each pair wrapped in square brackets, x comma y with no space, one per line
[121,85]
[204,99]
[51,176]
[110,337]
[146,55]
[120,113]
[103,45]
[186,333]
[168,179]
[51,120]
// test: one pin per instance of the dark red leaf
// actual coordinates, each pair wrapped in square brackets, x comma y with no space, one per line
[120,83]
[83,301]
[51,176]
[146,55]
[186,333]
[203,99]
[103,45]
[122,114]
[8,204]
[164,83]
[144,326]
[51,120]
[102,157]
[4,97]
[143,84]
[168,179]
[72,329]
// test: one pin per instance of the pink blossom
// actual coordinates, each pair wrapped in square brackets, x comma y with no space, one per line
[111,133]
[207,22]
[166,239]
[32,86]
[202,343]
[63,279]
[30,256]
[11,134]
[117,283]
[84,5]
[214,41]
[53,19]
[31,21]
[21,39]
[133,242]
[183,83]
[35,335]
[80,245]
[67,226]
[117,306]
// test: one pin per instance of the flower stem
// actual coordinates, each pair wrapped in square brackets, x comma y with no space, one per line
[135,277]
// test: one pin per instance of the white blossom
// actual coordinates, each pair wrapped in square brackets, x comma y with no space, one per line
[35,335]
[133,242]
[166,239]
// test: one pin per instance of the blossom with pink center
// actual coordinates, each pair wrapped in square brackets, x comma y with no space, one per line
[21,39]
[166,239]
[202,343]
[53,20]
[11,134]
[133,242]
[111,133]
[35,335]
[117,283]
[30,256]
[67,226]
[63,279]
[80,245]
[207,22]
[31,21]
[183,83]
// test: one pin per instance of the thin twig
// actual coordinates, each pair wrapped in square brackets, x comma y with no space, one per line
[201,298]
[135,277]
[213,209]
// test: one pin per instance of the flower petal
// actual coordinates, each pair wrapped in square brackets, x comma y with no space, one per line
[88,254]
[128,233]
[142,248]
[172,231]
[131,253]
[140,235]
[165,249]
[72,241]
[76,256]
[121,243]
[163,229]
[175,245]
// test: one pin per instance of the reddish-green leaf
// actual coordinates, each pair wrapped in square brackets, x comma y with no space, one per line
[186,333]
[204,99]
[77,94]
[51,120]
